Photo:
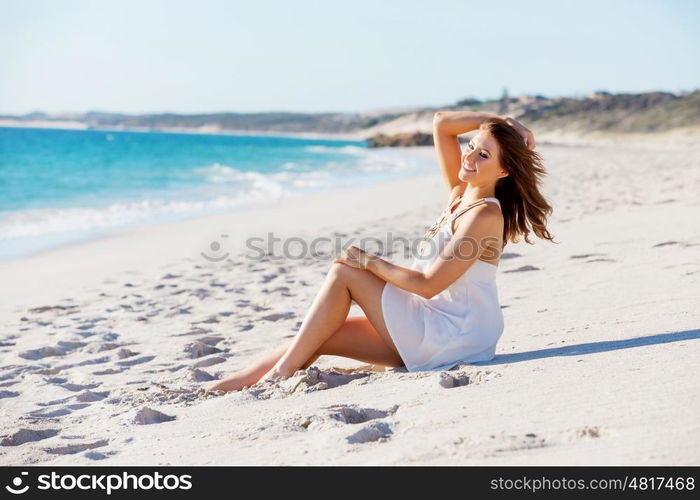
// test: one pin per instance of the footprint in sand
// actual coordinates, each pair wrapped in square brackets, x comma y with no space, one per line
[6,382]
[522,269]
[519,442]
[684,244]
[136,361]
[200,293]
[258,308]
[279,316]
[509,255]
[589,432]
[268,277]
[91,397]
[79,387]
[177,310]
[93,361]
[358,415]
[72,449]
[61,349]
[376,431]
[169,367]
[183,373]
[449,381]
[147,416]
[59,412]
[196,375]
[101,347]
[210,340]
[283,290]
[108,371]
[209,320]
[196,330]
[51,371]
[305,381]
[126,353]
[210,361]
[341,415]
[586,255]
[460,378]
[27,436]
[200,349]
[57,309]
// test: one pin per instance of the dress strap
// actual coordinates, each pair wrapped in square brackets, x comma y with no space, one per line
[493,199]
[475,204]
[469,207]
[451,205]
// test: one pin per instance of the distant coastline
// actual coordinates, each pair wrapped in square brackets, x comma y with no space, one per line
[72,125]
[643,116]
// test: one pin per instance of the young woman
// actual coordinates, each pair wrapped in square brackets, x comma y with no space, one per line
[444,309]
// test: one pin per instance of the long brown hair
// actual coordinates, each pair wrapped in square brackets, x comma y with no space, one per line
[523,206]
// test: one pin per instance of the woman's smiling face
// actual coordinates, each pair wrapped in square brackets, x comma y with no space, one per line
[480,161]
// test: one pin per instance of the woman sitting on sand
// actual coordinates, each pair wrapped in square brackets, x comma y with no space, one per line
[444,309]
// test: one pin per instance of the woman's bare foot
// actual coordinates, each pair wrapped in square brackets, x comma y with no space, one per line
[275,375]
[234,382]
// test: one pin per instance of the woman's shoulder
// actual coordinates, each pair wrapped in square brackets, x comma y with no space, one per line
[488,213]
[489,217]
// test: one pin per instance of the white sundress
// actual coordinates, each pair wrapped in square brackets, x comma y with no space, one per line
[462,324]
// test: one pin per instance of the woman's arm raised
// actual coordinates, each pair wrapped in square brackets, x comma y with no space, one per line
[447,125]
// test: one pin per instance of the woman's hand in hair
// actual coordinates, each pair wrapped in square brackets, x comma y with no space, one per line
[525,132]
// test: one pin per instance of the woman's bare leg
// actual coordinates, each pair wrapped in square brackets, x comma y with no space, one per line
[251,374]
[328,314]
[355,339]
[358,339]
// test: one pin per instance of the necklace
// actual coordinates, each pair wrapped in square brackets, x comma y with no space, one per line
[435,228]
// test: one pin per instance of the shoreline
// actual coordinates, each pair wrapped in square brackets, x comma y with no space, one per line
[81,236]
[50,125]
[684,135]
[158,238]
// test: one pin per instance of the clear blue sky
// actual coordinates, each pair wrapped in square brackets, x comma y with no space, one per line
[211,55]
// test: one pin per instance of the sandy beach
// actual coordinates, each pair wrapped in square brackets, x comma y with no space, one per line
[106,346]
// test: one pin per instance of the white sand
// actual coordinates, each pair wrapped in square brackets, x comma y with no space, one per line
[597,364]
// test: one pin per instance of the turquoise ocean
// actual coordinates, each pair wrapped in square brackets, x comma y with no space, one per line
[63,186]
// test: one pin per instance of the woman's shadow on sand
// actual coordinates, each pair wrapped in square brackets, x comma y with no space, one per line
[592,347]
